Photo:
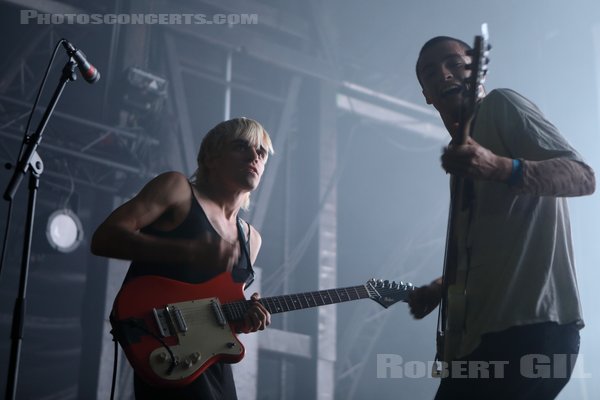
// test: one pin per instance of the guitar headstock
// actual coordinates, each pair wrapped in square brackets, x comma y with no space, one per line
[479,64]
[387,293]
[474,84]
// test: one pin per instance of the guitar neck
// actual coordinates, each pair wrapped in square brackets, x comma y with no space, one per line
[278,304]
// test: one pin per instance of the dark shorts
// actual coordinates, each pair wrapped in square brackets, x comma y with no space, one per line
[524,362]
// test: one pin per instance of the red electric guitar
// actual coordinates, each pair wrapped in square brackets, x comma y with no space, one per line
[172,331]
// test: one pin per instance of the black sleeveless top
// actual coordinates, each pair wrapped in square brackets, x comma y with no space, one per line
[216,383]
[194,226]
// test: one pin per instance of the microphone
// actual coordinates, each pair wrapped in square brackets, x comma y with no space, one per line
[88,71]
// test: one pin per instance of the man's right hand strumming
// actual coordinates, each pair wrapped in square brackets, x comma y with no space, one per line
[216,251]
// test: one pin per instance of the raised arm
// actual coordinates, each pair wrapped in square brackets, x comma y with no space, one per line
[164,202]
[119,235]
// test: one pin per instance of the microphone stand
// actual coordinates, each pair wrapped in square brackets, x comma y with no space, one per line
[31,162]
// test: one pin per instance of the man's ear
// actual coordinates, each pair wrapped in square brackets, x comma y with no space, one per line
[427,100]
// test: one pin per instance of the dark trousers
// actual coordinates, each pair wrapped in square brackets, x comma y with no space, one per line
[531,362]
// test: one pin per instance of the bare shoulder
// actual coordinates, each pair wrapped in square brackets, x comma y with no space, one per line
[162,203]
[167,188]
[167,191]
[170,180]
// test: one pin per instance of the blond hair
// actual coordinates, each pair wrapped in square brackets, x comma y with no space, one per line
[226,132]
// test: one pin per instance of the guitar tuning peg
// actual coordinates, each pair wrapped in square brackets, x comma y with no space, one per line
[395,285]
[386,283]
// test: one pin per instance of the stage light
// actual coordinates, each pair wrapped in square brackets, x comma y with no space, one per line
[64,230]
[144,93]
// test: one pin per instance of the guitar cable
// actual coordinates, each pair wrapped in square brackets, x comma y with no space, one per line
[136,324]
[115,366]
[173,363]
[140,326]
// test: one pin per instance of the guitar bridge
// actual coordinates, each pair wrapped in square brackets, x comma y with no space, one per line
[162,321]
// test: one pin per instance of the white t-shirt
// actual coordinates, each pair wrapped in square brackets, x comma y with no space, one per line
[517,246]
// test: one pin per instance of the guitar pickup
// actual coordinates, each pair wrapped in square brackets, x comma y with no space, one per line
[177,318]
[218,312]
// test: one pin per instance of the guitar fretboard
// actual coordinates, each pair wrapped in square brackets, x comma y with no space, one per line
[277,304]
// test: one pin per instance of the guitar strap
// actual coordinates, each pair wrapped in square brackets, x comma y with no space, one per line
[246,250]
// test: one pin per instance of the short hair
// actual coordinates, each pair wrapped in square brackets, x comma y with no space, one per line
[434,41]
[225,132]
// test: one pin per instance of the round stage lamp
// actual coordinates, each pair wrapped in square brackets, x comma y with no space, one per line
[64,231]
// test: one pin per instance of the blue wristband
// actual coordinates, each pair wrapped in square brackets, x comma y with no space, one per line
[516,172]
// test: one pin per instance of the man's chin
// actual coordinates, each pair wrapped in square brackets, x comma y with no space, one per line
[251,185]
[447,111]
[454,100]
[453,105]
